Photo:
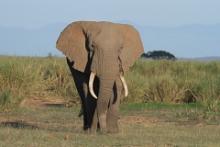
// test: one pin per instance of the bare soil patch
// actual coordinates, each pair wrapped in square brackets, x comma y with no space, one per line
[146,121]
[43,102]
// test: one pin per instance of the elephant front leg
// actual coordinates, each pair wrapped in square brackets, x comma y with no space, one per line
[113,111]
[105,93]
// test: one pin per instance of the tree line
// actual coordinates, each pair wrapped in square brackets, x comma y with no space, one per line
[158,54]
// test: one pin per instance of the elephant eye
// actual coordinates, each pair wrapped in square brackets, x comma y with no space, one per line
[93,46]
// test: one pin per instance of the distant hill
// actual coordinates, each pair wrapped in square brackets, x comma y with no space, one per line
[183,41]
[40,41]
[212,58]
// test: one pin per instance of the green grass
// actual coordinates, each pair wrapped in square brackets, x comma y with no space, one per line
[27,77]
[140,125]
[170,103]
[175,82]
[148,81]
[159,106]
[8,101]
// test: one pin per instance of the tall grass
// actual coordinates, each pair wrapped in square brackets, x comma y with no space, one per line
[175,82]
[26,77]
[148,81]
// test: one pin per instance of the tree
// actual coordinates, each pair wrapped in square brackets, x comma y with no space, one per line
[158,54]
[49,55]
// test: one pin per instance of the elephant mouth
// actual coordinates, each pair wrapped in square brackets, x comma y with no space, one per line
[91,81]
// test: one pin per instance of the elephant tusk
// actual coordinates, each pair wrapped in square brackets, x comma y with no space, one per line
[91,81]
[124,85]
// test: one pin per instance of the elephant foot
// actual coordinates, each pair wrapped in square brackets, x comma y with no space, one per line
[92,131]
[113,131]
[112,123]
[103,129]
[102,123]
[103,132]
[87,131]
[113,128]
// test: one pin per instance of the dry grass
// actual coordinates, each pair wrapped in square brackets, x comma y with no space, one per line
[47,84]
[60,127]
[175,82]
[148,81]
[27,77]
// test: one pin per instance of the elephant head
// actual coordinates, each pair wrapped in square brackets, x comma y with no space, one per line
[112,48]
[104,49]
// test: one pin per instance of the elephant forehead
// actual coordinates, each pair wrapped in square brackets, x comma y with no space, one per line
[108,38]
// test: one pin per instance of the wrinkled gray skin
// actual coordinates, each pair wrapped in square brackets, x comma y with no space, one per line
[89,104]
[108,50]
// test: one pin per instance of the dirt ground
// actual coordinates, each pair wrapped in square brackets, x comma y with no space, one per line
[146,120]
[36,102]
[40,118]
[42,102]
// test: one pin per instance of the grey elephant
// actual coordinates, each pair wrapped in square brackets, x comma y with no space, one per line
[98,55]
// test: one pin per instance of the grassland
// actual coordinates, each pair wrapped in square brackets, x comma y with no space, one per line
[141,125]
[148,81]
[171,103]
[24,77]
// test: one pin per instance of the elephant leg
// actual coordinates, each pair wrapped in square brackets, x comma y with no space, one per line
[83,92]
[105,93]
[94,125]
[92,103]
[113,111]
[90,109]
[85,107]
[80,80]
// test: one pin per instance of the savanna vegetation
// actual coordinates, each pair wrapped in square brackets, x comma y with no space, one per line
[148,81]
[170,103]
[141,125]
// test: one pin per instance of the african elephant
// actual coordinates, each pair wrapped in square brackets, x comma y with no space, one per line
[99,53]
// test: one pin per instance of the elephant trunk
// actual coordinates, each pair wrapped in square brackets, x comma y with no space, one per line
[106,65]
[105,94]
[91,81]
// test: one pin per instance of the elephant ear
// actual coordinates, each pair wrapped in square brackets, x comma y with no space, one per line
[132,46]
[72,42]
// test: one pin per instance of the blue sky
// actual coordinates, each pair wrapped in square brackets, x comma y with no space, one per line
[34,14]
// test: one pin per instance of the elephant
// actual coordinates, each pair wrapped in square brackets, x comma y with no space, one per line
[98,54]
